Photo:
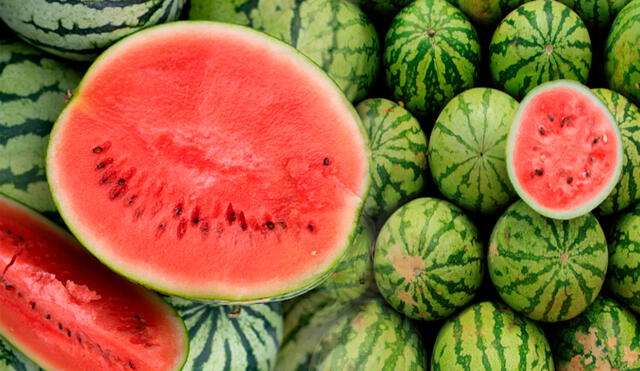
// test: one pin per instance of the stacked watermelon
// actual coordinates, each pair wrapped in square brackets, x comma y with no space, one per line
[320,184]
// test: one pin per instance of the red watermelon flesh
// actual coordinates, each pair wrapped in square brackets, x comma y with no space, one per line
[564,152]
[210,161]
[66,311]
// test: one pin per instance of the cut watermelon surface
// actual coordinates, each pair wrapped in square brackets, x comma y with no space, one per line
[66,311]
[564,152]
[210,161]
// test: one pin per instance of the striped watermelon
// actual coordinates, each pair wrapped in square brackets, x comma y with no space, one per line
[489,336]
[335,34]
[12,360]
[467,150]
[431,54]
[80,30]
[597,14]
[230,337]
[605,337]
[548,269]
[399,155]
[33,89]
[624,259]
[627,115]
[428,259]
[540,41]
[622,52]
[486,12]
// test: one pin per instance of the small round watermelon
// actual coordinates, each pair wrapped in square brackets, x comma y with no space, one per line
[428,259]
[597,14]
[564,150]
[550,270]
[627,115]
[431,54]
[467,150]
[490,336]
[605,337]
[33,89]
[486,12]
[623,278]
[622,52]
[80,30]
[539,41]
[399,155]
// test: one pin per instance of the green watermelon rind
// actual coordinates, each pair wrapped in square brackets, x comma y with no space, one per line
[285,49]
[52,227]
[606,190]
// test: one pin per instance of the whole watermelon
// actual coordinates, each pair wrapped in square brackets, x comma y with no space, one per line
[550,270]
[597,14]
[431,54]
[539,41]
[467,150]
[486,12]
[623,278]
[622,53]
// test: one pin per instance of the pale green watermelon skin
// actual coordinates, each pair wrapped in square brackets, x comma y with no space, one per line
[80,30]
[539,41]
[623,278]
[335,34]
[33,90]
[428,259]
[490,336]
[549,270]
[398,155]
[229,338]
[605,337]
[597,14]
[622,52]
[486,12]
[627,116]
[431,54]
[467,150]
[12,360]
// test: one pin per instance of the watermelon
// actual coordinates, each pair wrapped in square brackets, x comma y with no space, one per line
[550,270]
[335,34]
[622,52]
[230,337]
[33,88]
[428,259]
[624,259]
[486,12]
[431,54]
[385,8]
[65,310]
[399,150]
[605,337]
[539,41]
[12,360]
[80,30]
[627,116]
[467,150]
[489,336]
[564,150]
[597,14]
[236,167]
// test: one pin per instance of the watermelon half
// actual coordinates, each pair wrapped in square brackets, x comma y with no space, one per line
[66,311]
[564,150]
[210,161]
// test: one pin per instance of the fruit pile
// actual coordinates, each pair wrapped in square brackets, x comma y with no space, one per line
[320,184]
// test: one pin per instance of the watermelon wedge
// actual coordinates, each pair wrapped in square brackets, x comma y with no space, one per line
[210,161]
[66,311]
[564,150]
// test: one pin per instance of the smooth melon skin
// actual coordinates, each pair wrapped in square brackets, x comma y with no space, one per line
[65,311]
[564,150]
[227,168]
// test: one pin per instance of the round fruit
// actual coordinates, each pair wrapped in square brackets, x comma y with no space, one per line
[564,151]
[597,14]
[624,259]
[540,41]
[399,155]
[428,259]
[622,52]
[549,270]
[489,336]
[431,54]
[486,12]
[467,150]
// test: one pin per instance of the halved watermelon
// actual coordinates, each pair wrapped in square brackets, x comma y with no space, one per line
[564,150]
[211,161]
[66,311]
